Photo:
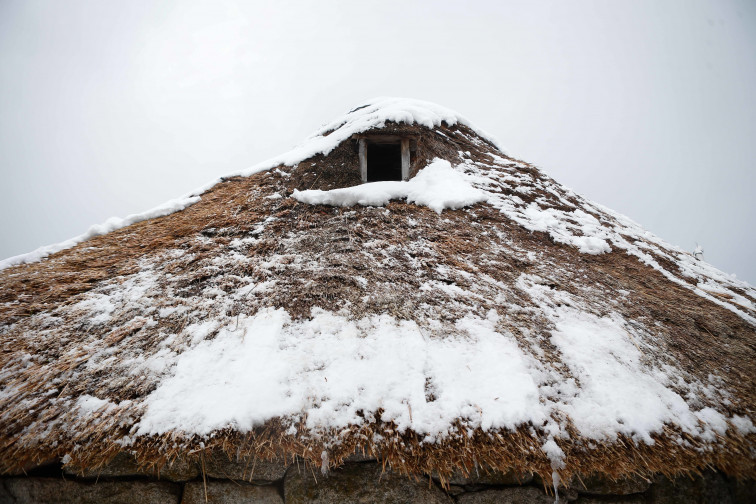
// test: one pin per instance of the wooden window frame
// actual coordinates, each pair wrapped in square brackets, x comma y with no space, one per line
[404,142]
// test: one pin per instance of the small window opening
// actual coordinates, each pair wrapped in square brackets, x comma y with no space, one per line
[384,158]
[384,161]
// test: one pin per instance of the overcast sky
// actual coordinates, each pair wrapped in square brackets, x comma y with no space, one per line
[112,107]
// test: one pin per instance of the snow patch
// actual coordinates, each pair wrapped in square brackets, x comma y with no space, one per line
[437,186]
[619,392]
[328,369]
[87,405]
[743,424]
[591,244]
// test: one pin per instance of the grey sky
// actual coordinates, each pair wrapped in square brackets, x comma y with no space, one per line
[110,108]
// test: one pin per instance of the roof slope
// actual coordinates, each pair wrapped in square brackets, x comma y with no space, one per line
[528,328]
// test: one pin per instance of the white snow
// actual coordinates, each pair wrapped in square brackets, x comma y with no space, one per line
[100,306]
[744,425]
[437,186]
[88,404]
[329,368]
[619,393]
[591,244]
[576,228]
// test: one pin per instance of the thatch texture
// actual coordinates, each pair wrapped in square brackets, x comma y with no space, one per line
[82,330]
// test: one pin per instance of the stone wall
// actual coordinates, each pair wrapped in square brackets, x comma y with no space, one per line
[230,482]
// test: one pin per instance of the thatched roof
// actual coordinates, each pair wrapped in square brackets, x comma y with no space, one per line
[528,329]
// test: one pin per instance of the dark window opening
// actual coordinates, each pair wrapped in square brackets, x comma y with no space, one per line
[384,162]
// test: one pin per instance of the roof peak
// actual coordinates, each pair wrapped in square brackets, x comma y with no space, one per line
[378,111]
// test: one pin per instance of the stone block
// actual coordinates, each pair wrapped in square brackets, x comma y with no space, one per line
[219,465]
[632,499]
[488,476]
[178,470]
[603,485]
[60,491]
[358,483]
[230,492]
[513,495]
[742,491]
[32,467]
[359,456]
[454,490]
[125,465]
[710,488]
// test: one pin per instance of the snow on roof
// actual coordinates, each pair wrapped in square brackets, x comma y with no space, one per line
[530,312]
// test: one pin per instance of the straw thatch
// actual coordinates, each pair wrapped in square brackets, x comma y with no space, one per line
[241,233]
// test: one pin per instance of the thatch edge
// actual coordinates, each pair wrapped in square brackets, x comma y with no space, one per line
[463,451]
